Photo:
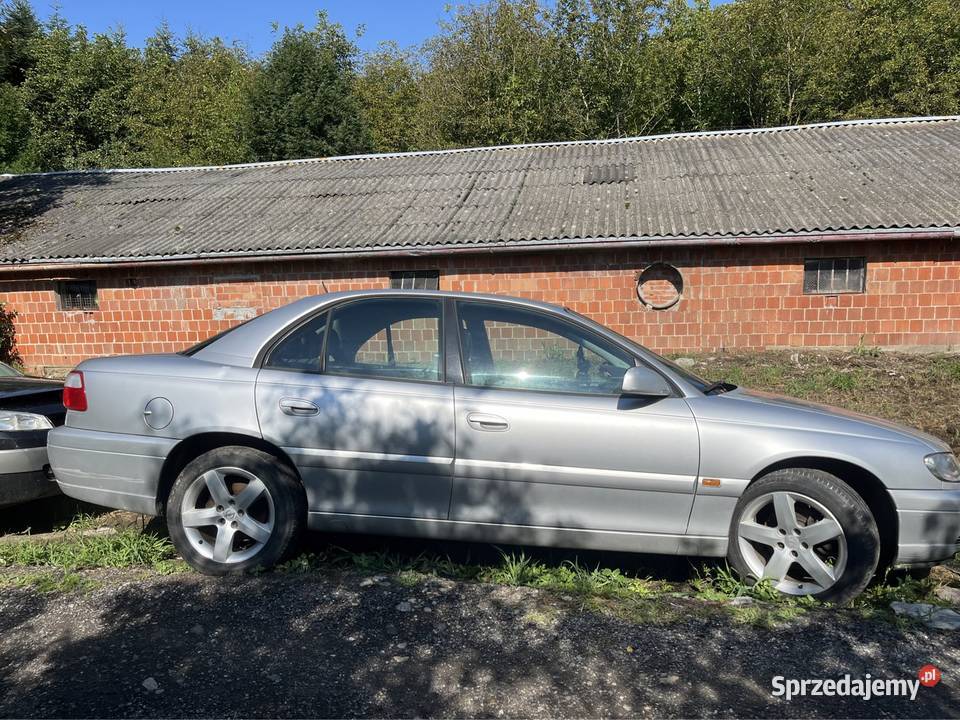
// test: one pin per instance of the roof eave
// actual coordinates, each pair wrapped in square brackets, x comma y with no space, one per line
[599,243]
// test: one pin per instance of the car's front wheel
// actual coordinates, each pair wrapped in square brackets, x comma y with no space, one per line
[235,509]
[806,532]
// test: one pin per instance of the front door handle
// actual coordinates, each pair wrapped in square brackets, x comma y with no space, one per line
[490,423]
[298,407]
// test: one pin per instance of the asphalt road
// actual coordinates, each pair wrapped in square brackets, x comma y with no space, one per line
[330,644]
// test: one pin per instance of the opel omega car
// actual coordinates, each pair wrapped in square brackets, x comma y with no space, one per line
[494,419]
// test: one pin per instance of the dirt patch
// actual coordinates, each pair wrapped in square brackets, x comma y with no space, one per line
[343,644]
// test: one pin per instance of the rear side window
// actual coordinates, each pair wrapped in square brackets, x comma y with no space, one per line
[302,349]
[394,338]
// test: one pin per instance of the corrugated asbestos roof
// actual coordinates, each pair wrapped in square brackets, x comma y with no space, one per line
[877,175]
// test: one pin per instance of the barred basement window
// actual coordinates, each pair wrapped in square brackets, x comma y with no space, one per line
[77,295]
[832,276]
[415,280]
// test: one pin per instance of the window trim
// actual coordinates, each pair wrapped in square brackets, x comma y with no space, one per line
[834,258]
[637,360]
[61,285]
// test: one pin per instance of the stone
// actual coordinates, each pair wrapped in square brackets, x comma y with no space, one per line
[197,630]
[741,601]
[151,684]
[929,615]
[685,362]
[948,594]
[404,607]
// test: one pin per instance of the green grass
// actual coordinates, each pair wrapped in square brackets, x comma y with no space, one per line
[599,589]
[50,582]
[75,551]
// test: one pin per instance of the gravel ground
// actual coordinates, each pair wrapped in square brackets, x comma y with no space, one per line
[328,644]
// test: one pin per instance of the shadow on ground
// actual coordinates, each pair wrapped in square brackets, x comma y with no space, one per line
[330,644]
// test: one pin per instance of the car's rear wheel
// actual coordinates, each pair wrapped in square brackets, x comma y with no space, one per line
[807,533]
[235,509]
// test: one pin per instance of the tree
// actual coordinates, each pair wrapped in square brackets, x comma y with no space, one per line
[14,129]
[78,95]
[189,100]
[389,92]
[303,100]
[496,75]
[18,30]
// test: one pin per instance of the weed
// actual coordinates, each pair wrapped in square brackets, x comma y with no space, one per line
[50,582]
[76,551]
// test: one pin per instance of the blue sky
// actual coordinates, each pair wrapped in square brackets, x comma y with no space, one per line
[405,21]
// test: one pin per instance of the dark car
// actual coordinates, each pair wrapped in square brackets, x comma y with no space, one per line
[29,407]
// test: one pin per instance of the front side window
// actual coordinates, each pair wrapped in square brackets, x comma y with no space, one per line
[507,347]
[386,338]
[302,349]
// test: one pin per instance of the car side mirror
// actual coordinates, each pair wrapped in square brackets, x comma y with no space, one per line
[641,381]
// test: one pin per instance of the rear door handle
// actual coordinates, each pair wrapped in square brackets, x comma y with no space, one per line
[296,406]
[490,423]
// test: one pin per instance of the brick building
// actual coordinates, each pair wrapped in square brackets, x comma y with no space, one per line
[812,236]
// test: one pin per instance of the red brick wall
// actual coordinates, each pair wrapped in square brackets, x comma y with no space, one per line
[733,297]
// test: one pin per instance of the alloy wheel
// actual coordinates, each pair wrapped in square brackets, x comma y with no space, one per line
[793,541]
[227,514]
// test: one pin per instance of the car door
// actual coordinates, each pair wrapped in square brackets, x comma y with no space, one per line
[545,439]
[356,398]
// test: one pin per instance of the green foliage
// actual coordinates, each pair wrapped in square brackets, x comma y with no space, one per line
[50,582]
[191,97]
[79,97]
[721,583]
[14,127]
[496,72]
[77,551]
[18,30]
[303,102]
[390,94]
[8,336]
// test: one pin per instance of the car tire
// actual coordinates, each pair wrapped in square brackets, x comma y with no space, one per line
[236,509]
[817,497]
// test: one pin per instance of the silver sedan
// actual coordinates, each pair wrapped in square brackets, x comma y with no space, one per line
[494,419]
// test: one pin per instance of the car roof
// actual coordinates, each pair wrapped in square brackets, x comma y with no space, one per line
[243,344]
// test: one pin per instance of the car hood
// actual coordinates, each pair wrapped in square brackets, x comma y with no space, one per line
[11,387]
[780,410]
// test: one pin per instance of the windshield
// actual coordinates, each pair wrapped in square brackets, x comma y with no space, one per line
[8,371]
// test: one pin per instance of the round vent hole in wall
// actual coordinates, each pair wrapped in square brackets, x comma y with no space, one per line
[660,286]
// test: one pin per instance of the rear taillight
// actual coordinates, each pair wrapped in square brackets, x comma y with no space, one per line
[74,392]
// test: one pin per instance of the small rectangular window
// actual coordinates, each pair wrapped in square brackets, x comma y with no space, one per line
[832,276]
[77,295]
[415,280]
